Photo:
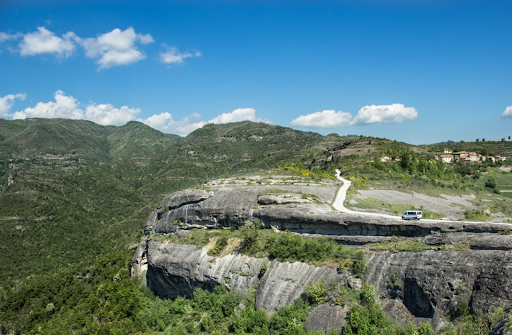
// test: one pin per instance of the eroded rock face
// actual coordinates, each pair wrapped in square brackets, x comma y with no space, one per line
[232,206]
[430,283]
[284,282]
[178,269]
[174,270]
[326,318]
[411,286]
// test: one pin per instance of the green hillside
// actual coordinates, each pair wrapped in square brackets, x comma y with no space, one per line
[82,190]
[74,195]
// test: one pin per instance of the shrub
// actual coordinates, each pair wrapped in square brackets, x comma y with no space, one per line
[491,182]
[316,293]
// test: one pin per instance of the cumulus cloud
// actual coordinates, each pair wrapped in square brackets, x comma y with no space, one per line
[323,119]
[4,37]
[7,102]
[106,114]
[164,122]
[239,114]
[44,41]
[172,56]
[63,107]
[395,113]
[67,107]
[507,114]
[117,47]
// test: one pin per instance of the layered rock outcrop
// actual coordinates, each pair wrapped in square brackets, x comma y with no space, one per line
[232,206]
[411,286]
[172,270]
[430,283]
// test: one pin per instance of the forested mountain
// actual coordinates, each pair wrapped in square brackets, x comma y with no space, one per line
[71,190]
[74,196]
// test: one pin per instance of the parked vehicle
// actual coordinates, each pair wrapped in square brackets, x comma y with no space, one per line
[412,215]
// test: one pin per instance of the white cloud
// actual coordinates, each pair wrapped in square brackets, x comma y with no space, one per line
[323,119]
[395,113]
[164,122]
[67,107]
[172,56]
[45,41]
[7,102]
[9,37]
[106,114]
[507,114]
[63,107]
[116,47]
[239,114]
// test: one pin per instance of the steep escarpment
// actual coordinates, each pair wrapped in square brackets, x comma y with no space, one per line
[430,283]
[411,286]
[173,270]
[464,261]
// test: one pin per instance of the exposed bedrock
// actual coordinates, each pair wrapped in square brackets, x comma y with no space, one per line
[227,207]
[178,269]
[174,270]
[430,283]
[411,286]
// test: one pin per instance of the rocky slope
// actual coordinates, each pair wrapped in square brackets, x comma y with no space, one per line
[411,286]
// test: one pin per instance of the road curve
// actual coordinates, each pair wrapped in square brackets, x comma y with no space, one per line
[342,195]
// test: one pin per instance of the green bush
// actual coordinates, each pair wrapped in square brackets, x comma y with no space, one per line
[316,293]
[491,182]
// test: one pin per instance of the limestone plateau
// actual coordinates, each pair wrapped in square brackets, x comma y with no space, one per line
[426,284]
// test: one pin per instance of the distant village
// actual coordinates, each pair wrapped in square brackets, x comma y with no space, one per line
[464,156]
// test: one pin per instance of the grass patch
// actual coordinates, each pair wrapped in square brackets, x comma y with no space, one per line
[408,245]
[394,246]
[372,203]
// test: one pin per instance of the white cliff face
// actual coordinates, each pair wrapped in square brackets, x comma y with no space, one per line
[178,269]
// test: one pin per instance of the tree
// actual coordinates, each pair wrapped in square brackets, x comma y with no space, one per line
[503,139]
[483,139]
[491,182]
[477,140]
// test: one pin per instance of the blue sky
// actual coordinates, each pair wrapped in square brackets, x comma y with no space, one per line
[414,71]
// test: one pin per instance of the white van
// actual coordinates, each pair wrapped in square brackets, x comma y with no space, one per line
[412,215]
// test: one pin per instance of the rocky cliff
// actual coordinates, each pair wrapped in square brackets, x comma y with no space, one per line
[473,261]
[172,270]
[225,207]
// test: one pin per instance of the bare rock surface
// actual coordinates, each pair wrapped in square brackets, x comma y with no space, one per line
[411,286]
[326,318]
[430,283]
[284,282]
[178,269]
[173,270]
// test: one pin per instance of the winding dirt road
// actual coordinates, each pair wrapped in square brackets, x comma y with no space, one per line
[342,195]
